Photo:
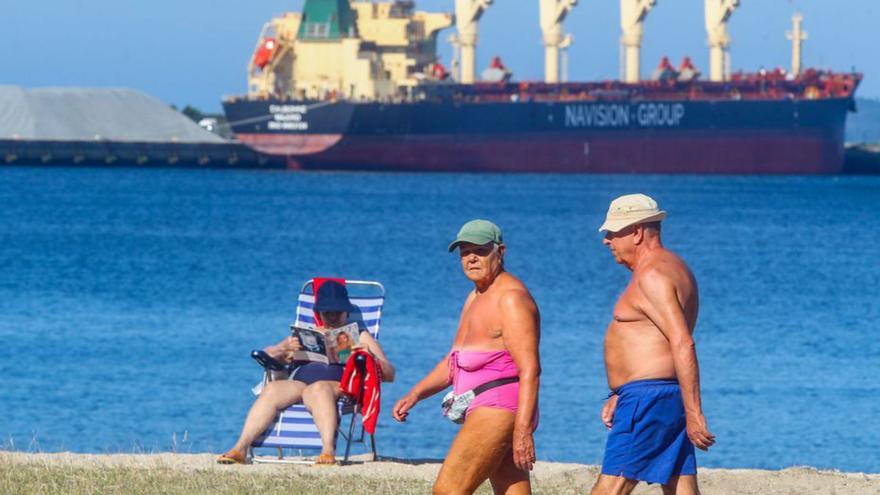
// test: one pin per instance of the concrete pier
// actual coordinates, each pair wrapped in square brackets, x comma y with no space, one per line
[230,154]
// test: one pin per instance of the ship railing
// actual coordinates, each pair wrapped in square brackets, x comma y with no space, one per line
[773,85]
[760,86]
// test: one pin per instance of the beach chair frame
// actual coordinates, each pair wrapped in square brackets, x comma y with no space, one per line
[294,428]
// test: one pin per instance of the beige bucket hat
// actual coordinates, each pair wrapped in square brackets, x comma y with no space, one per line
[631,209]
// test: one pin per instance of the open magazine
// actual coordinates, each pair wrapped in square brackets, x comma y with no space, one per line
[322,347]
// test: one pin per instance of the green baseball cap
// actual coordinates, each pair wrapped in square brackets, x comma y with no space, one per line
[477,232]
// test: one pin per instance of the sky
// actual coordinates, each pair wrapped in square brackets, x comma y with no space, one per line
[195,52]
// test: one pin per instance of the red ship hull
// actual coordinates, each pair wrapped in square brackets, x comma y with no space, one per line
[739,152]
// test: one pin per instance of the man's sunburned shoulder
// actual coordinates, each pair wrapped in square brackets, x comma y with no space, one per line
[662,267]
[652,276]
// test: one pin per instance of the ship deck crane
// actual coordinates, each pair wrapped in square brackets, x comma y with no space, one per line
[467,17]
[632,15]
[553,13]
[717,13]
[797,36]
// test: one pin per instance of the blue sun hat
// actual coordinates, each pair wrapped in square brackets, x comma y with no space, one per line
[332,296]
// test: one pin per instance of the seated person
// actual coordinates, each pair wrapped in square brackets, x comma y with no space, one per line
[315,384]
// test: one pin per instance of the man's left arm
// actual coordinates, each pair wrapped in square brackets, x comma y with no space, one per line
[372,345]
[521,327]
[664,309]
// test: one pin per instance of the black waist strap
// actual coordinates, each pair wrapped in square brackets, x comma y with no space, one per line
[495,383]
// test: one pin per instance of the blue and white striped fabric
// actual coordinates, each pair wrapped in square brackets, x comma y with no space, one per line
[294,427]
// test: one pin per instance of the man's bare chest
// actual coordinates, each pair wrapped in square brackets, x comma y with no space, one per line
[627,307]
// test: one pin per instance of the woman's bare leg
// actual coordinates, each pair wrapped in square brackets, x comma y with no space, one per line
[275,397]
[509,479]
[320,398]
[477,453]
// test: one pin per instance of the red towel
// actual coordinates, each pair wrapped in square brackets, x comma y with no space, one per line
[372,379]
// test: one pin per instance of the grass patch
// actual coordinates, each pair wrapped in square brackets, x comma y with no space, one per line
[27,479]
[45,479]
[142,475]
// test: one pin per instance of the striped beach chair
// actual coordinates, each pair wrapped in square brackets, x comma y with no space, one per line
[294,429]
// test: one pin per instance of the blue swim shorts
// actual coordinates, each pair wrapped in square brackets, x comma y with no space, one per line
[310,373]
[648,440]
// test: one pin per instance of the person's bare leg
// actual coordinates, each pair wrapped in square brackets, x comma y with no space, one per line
[320,398]
[477,451]
[509,479]
[275,397]
[613,485]
[682,485]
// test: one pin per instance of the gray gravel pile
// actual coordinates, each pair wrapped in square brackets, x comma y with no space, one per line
[93,114]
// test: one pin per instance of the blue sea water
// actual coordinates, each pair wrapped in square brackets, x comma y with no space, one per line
[130,299]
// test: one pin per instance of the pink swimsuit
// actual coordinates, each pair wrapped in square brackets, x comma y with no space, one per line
[470,369]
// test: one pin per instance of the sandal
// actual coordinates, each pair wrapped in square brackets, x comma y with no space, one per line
[232,457]
[325,460]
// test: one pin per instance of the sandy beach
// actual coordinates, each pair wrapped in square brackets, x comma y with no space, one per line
[385,476]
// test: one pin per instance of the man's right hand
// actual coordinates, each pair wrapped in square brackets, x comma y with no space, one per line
[402,407]
[698,432]
[607,414]
[289,346]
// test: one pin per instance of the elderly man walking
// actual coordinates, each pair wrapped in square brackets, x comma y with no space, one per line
[654,411]
[493,367]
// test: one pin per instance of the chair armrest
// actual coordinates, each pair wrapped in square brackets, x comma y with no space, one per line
[268,362]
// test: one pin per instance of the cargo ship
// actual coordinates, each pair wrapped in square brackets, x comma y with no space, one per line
[358,86]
